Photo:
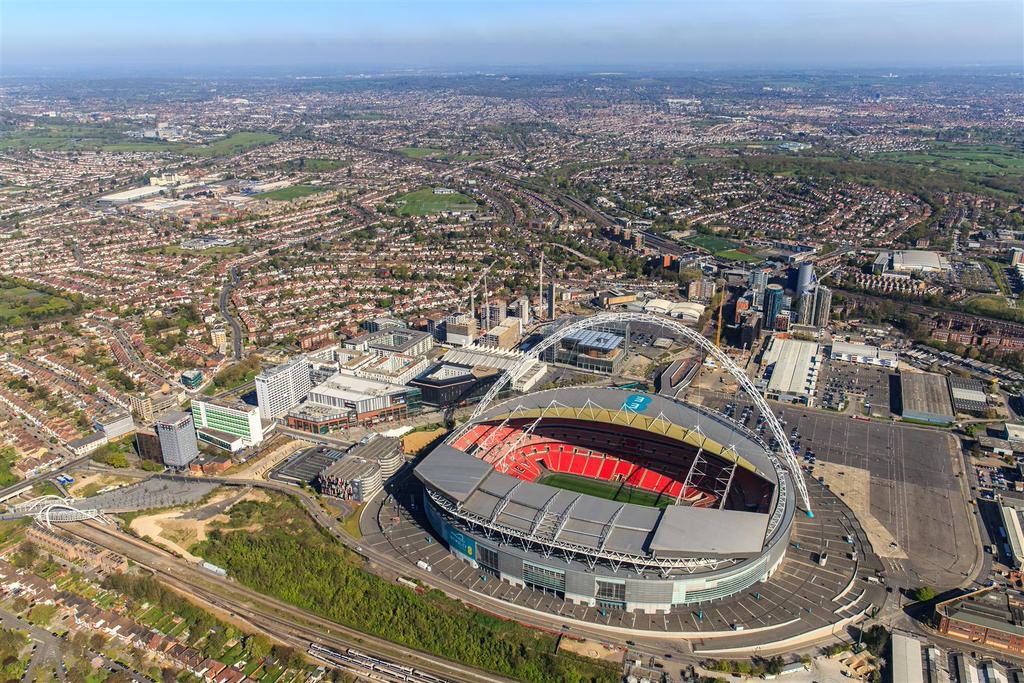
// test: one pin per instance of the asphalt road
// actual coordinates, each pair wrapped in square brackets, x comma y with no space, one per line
[236,329]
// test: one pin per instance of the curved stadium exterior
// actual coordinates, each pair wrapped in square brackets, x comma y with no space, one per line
[611,498]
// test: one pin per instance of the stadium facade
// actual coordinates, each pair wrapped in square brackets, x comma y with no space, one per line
[658,503]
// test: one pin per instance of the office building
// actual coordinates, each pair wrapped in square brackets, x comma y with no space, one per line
[231,425]
[177,434]
[772,304]
[551,300]
[114,424]
[191,379]
[280,388]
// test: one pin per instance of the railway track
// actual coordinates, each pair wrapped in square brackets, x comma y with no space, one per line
[282,621]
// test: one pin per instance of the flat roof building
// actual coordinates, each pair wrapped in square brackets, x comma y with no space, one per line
[177,434]
[863,353]
[233,418]
[924,397]
[990,618]
[789,370]
[280,388]
[968,395]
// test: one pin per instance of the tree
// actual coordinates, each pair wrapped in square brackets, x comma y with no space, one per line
[257,646]
[875,639]
[924,594]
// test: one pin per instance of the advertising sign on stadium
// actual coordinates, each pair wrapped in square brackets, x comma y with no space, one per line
[636,402]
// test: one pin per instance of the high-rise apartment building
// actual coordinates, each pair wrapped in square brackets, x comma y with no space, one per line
[822,306]
[772,304]
[177,434]
[281,388]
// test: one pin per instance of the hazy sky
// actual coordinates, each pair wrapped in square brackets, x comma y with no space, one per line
[353,34]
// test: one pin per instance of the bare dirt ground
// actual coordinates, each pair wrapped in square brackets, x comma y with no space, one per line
[90,484]
[592,649]
[852,484]
[416,441]
[177,532]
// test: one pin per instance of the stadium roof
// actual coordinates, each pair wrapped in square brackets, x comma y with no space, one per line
[709,532]
[553,515]
[659,414]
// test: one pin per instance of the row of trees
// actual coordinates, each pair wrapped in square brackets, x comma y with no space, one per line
[295,562]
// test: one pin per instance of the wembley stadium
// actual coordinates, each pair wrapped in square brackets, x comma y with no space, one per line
[611,498]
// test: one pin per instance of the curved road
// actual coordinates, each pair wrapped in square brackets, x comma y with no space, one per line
[236,329]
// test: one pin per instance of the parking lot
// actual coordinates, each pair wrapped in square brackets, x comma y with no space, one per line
[866,387]
[305,465]
[913,492]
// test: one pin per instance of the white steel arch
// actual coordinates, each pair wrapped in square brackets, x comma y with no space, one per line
[784,449]
[50,510]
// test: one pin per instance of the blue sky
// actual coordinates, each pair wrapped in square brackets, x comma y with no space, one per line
[356,34]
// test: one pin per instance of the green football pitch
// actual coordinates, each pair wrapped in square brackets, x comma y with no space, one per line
[607,490]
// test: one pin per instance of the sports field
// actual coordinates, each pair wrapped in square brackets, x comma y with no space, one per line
[424,202]
[420,152]
[294,192]
[607,490]
[712,243]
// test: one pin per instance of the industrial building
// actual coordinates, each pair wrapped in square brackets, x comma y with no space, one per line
[280,388]
[177,433]
[915,261]
[789,370]
[231,425]
[924,396]
[863,353]
[968,396]
[129,196]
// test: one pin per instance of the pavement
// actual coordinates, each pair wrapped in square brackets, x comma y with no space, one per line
[914,491]
[800,596]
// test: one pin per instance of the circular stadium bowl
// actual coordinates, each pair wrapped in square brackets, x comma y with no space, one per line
[611,498]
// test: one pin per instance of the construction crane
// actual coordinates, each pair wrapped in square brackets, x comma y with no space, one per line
[718,332]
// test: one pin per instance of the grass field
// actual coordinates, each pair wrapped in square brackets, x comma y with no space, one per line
[233,144]
[606,490]
[965,158]
[424,202]
[712,243]
[294,192]
[19,304]
[738,255]
[63,137]
[175,250]
[420,152]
